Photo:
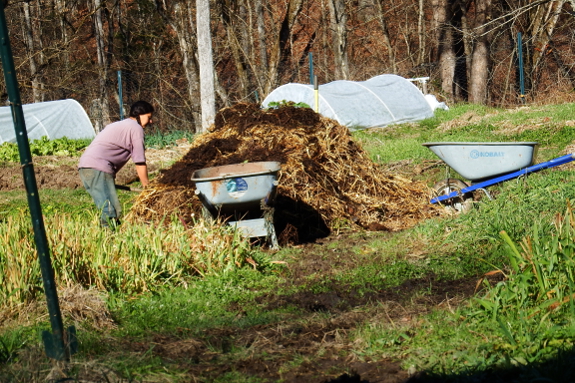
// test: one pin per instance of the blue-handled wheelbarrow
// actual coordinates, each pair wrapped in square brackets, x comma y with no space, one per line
[484,164]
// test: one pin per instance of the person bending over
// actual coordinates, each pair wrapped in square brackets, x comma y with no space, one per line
[108,153]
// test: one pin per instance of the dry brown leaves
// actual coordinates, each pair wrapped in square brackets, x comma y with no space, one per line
[77,304]
[468,118]
[322,168]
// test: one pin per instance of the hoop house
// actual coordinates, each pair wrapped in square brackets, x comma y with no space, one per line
[53,119]
[382,100]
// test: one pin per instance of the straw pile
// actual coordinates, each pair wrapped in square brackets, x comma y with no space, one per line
[326,177]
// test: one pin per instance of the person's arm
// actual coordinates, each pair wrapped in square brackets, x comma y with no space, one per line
[142,170]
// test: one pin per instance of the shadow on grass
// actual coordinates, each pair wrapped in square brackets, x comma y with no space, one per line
[558,369]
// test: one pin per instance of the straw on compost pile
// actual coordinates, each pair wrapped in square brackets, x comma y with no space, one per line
[325,176]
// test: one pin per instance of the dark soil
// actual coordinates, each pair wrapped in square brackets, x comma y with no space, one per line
[48,177]
[56,176]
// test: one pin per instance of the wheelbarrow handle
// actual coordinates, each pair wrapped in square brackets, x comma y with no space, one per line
[127,188]
[531,169]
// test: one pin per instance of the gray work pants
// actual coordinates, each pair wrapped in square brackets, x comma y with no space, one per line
[101,187]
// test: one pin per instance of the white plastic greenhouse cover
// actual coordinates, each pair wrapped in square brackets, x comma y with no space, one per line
[53,119]
[382,100]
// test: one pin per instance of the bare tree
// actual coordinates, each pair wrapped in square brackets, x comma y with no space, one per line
[70,48]
[478,80]
[233,16]
[386,37]
[280,49]
[338,21]
[544,22]
[445,52]
[260,10]
[421,31]
[102,105]
[206,63]
[178,15]
[61,9]
[34,53]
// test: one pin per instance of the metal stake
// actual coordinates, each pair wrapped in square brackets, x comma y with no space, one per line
[54,342]
[520,59]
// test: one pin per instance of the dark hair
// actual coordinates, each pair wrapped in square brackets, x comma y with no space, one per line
[141,107]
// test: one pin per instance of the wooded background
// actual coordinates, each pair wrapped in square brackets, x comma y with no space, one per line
[468,48]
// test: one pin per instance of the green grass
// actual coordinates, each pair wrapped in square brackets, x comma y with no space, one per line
[202,305]
[77,202]
[546,125]
[515,326]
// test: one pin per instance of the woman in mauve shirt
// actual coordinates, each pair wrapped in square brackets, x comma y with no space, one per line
[108,153]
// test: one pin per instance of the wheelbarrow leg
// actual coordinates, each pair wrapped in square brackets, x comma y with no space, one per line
[270,229]
[487,194]
[209,211]
[206,215]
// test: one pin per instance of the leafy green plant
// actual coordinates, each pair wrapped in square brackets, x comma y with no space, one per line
[161,139]
[538,288]
[44,147]
[284,103]
[9,152]
[540,279]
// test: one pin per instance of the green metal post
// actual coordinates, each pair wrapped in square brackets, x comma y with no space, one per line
[120,96]
[311,74]
[54,343]
[520,59]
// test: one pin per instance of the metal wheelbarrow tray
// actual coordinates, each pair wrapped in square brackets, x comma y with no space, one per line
[239,191]
[485,164]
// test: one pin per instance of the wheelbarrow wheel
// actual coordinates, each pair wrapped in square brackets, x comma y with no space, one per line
[460,204]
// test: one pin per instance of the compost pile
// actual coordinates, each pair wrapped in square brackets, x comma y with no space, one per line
[326,178]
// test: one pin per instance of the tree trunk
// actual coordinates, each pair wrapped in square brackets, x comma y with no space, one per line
[206,63]
[324,47]
[386,38]
[32,52]
[221,91]
[281,47]
[62,11]
[103,117]
[236,40]
[181,21]
[544,30]
[478,79]
[262,32]
[421,32]
[445,52]
[467,37]
[338,22]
